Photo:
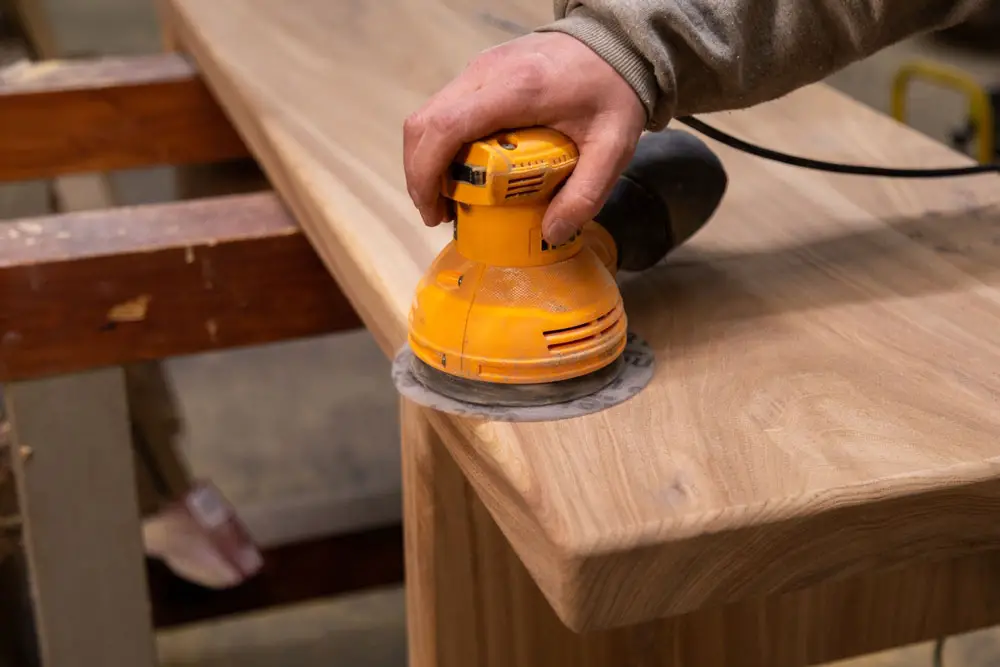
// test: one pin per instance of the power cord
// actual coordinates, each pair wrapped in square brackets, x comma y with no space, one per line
[834,167]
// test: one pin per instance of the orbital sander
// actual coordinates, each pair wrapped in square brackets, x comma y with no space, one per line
[508,326]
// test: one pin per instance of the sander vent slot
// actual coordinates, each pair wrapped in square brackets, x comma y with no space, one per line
[524,185]
[564,341]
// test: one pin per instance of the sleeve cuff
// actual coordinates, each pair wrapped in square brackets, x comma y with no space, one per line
[612,44]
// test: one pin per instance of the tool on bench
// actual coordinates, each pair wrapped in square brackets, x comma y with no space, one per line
[507,327]
[504,323]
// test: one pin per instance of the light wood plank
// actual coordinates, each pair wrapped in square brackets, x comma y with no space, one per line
[825,396]
[470,600]
[78,502]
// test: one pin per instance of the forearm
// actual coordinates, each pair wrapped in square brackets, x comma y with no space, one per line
[696,56]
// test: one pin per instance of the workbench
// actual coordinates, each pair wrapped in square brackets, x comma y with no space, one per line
[87,294]
[810,476]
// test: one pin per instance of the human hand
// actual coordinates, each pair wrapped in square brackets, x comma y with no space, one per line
[548,79]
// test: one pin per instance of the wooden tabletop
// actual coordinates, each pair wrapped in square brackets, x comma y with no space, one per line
[825,398]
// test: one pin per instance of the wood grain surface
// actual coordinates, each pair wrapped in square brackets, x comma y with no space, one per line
[470,600]
[825,397]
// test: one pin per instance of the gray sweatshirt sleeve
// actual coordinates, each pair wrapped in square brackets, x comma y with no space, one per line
[696,56]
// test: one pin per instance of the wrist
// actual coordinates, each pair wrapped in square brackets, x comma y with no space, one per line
[611,44]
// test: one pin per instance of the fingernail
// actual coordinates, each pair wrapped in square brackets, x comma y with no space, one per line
[558,232]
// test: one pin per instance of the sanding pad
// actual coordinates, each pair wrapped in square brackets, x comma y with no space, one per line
[617,384]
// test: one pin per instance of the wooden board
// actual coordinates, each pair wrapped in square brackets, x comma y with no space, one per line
[470,600]
[76,487]
[825,395]
[105,114]
[83,290]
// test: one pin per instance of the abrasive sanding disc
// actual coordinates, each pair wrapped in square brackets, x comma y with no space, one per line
[632,377]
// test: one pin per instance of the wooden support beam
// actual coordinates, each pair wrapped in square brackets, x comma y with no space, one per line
[293,573]
[63,117]
[98,288]
[76,489]
[33,19]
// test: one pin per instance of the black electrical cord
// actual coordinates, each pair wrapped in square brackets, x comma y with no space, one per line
[834,167]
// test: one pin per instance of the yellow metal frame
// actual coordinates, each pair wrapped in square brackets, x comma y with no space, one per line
[980,107]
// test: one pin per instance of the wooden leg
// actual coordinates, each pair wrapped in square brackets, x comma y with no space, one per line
[33,16]
[162,476]
[76,492]
[168,35]
[471,603]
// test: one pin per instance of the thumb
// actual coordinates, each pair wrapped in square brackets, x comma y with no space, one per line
[600,164]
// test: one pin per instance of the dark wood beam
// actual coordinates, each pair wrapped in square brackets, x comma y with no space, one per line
[59,117]
[84,290]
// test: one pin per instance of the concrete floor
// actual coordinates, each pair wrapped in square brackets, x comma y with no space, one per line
[260,423]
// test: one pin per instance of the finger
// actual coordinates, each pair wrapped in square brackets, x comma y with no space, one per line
[449,123]
[588,187]
[430,206]
[426,196]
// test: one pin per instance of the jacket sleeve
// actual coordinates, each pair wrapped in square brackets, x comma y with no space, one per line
[696,56]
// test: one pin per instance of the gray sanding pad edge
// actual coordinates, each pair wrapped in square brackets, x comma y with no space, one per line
[636,373]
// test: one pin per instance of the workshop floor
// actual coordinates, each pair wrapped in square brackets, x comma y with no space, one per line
[260,422]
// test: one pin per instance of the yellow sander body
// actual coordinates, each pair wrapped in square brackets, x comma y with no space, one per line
[501,309]
[505,325]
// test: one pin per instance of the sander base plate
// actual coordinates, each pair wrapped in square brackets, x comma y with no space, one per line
[605,388]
